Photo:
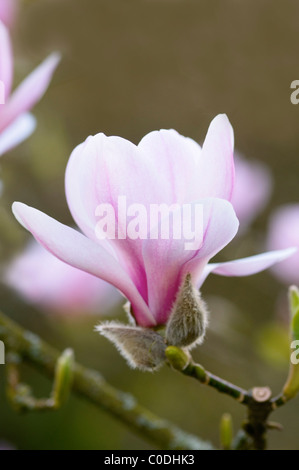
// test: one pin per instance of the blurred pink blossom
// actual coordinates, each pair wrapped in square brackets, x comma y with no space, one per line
[164,168]
[44,280]
[16,124]
[283,232]
[252,190]
[8,11]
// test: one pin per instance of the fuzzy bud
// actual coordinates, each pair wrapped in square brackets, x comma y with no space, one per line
[143,348]
[188,321]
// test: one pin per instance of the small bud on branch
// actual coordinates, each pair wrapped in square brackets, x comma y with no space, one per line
[188,321]
[291,386]
[143,348]
[226,431]
[64,375]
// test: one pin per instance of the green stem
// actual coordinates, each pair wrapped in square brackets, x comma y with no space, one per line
[184,363]
[258,401]
[278,401]
[93,387]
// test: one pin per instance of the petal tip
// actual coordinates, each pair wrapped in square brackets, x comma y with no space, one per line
[55,57]
[16,210]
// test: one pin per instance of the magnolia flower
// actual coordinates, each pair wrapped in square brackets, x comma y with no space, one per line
[42,279]
[16,124]
[248,203]
[8,9]
[164,168]
[284,231]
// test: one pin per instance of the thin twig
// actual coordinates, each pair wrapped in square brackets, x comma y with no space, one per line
[278,401]
[183,362]
[93,387]
[223,386]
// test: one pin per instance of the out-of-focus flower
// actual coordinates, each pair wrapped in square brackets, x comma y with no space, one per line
[8,10]
[42,279]
[252,189]
[284,231]
[16,124]
[164,168]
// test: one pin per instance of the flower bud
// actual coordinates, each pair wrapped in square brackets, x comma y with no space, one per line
[293,299]
[143,348]
[178,358]
[63,378]
[291,387]
[226,431]
[188,321]
[294,309]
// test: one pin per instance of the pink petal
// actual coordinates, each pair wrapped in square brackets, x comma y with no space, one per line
[284,232]
[99,171]
[30,91]
[80,252]
[247,266]
[222,228]
[216,172]
[42,279]
[18,131]
[163,259]
[167,261]
[6,63]
[177,158]
[8,10]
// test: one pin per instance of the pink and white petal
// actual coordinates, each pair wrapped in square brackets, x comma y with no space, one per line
[80,175]
[101,170]
[17,132]
[80,252]
[6,62]
[247,266]
[216,171]
[283,232]
[163,259]
[177,157]
[167,261]
[42,279]
[107,166]
[221,228]
[8,11]
[30,91]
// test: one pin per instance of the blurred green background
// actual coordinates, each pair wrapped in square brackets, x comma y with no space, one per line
[130,67]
